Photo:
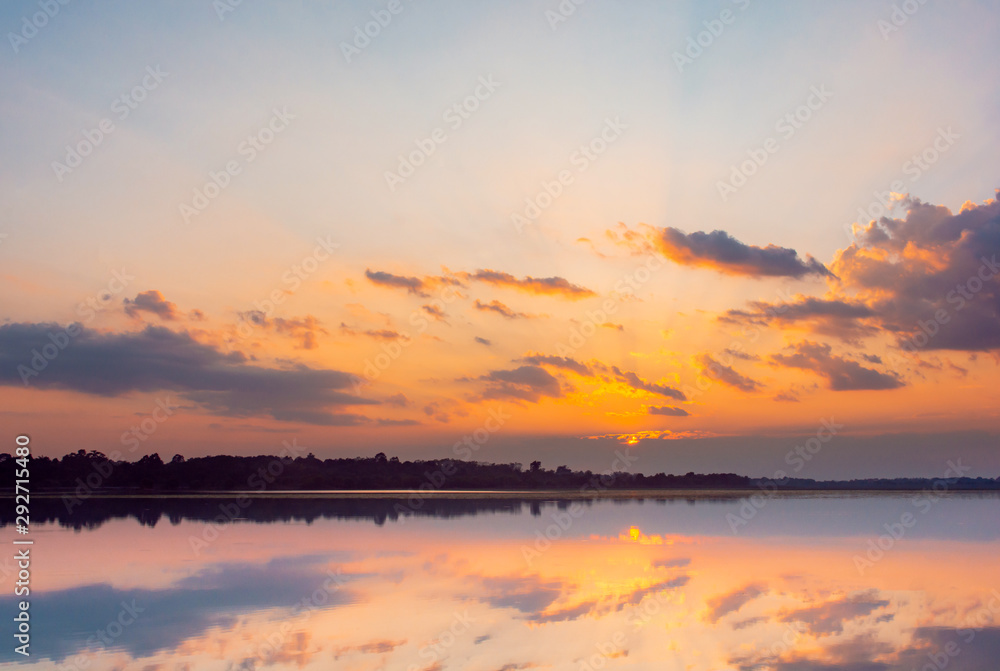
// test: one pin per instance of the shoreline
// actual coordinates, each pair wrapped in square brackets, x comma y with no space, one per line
[557,494]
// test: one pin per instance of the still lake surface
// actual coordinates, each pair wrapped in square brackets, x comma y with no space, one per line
[845,582]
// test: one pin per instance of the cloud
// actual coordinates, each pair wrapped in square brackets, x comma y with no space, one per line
[375,334]
[527,594]
[829,617]
[842,374]
[304,329]
[559,362]
[527,383]
[500,309]
[483,341]
[714,370]
[632,380]
[930,277]
[846,319]
[721,252]
[437,313]
[547,286]
[158,359]
[399,400]
[596,368]
[153,302]
[214,596]
[672,562]
[413,285]
[739,354]
[668,411]
[375,647]
[731,602]
[786,397]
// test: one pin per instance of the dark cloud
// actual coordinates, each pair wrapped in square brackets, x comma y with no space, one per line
[152,302]
[435,312]
[500,309]
[932,276]
[548,286]
[626,377]
[829,618]
[376,647]
[413,285]
[668,411]
[559,362]
[722,252]
[527,594]
[725,374]
[978,653]
[786,397]
[216,596]
[564,614]
[672,562]
[731,602]
[528,383]
[483,341]
[849,320]
[636,596]
[740,354]
[749,622]
[842,374]
[376,334]
[158,359]
[398,400]
[631,379]
[306,330]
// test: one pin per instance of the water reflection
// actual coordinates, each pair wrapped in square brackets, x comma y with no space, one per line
[517,584]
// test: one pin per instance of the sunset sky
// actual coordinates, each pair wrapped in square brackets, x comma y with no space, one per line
[699,232]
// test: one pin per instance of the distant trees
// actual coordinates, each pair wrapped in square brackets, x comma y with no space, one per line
[93,472]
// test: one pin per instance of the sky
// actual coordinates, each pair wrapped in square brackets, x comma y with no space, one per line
[727,236]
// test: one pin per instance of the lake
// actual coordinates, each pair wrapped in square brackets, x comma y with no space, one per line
[698,582]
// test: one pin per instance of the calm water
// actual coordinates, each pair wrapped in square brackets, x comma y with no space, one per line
[793,584]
